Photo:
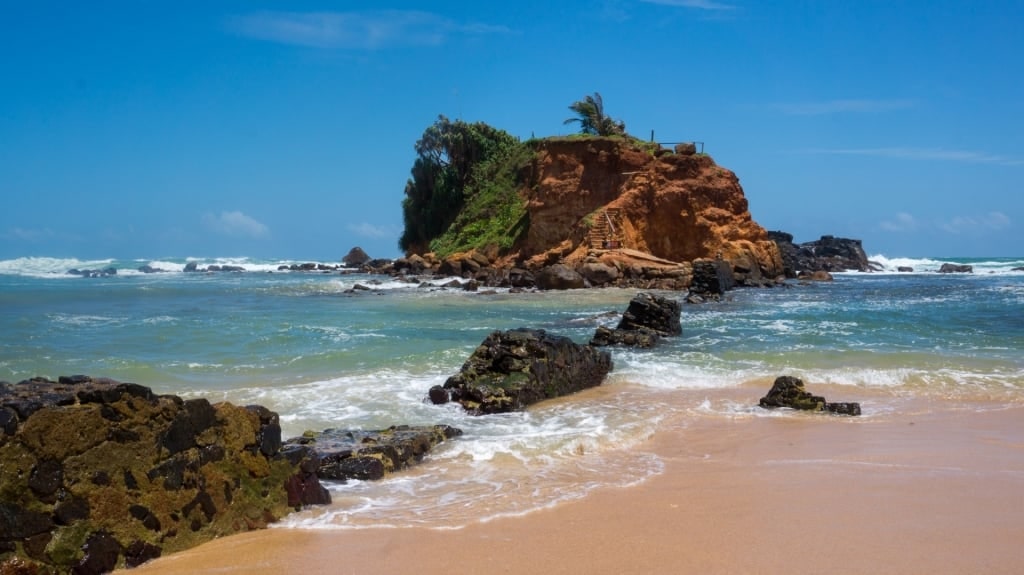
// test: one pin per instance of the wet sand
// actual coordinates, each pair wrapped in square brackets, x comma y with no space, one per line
[940,491]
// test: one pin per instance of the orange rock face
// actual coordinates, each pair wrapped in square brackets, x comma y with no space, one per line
[605,193]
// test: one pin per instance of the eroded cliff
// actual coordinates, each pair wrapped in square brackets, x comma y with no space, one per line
[606,194]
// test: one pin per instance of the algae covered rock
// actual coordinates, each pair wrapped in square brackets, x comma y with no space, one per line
[516,368]
[788,391]
[97,474]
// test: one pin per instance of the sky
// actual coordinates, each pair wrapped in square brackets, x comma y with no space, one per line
[150,129]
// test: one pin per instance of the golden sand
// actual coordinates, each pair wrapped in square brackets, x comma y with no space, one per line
[941,491]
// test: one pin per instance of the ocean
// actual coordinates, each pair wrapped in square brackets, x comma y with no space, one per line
[307,346]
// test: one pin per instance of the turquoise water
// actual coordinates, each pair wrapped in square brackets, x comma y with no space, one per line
[303,345]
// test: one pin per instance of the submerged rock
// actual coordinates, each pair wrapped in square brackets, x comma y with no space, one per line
[788,391]
[516,368]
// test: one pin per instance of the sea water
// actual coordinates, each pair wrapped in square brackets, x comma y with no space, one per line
[323,354]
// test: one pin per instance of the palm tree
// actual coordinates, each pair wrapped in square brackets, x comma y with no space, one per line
[592,119]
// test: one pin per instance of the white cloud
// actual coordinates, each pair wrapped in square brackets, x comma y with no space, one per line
[992,221]
[368,230]
[235,224]
[903,222]
[699,4]
[906,153]
[843,106]
[369,30]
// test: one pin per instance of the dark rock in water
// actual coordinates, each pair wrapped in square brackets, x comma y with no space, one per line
[559,277]
[1020,269]
[788,391]
[905,269]
[110,470]
[191,267]
[438,395]
[711,278]
[148,269]
[826,254]
[653,312]
[641,337]
[955,269]
[100,273]
[355,257]
[354,454]
[647,318]
[516,368]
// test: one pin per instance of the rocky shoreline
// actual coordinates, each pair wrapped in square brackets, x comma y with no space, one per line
[97,474]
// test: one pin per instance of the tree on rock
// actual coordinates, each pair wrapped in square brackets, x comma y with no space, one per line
[592,119]
[447,154]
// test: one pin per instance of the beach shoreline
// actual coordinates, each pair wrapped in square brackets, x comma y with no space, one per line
[932,489]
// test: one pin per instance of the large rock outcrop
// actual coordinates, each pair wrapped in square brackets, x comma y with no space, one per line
[97,474]
[828,254]
[675,206]
[513,369]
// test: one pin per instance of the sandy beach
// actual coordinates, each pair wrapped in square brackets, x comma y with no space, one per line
[935,489]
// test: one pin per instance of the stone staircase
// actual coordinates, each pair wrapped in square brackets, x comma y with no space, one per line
[605,233]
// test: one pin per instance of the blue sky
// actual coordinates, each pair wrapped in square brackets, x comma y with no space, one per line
[153,129]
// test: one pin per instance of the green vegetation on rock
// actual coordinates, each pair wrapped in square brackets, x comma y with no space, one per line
[464,190]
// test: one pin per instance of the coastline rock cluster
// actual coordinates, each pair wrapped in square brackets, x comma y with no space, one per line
[828,254]
[96,474]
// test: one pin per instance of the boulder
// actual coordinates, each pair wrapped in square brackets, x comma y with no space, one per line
[711,278]
[905,269]
[97,474]
[955,269]
[686,148]
[788,391]
[647,318]
[559,277]
[355,257]
[367,455]
[653,312]
[599,274]
[516,368]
